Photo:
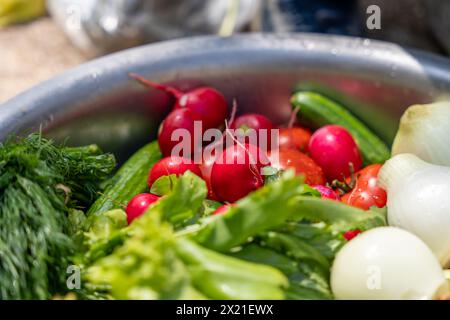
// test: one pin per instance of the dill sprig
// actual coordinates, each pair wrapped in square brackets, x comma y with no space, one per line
[39,182]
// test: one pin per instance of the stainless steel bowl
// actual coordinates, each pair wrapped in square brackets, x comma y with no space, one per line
[97,102]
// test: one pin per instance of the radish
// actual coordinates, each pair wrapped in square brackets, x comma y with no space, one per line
[334,149]
[256,122]
[207,103]
[223,208]
[294,138]
[327,193]
[172,165]
[236,172]
[209,158]
[139,204]
[300,162]
[349,235]
[178,119]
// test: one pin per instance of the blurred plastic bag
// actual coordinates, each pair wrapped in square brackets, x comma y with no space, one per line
[101,26]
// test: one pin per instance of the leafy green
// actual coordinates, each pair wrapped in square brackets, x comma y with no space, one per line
[318,235]
[163,185]
[151,262]
[338,215]
[39,182]
[287,221]
[264,209]
[284,226]
[305,282]
[222,277]
[182,205]
[145,266]
[294,248]
[209,206]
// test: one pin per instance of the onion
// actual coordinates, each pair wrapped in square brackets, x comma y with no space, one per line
[387,263]
[425,131]
[419,200]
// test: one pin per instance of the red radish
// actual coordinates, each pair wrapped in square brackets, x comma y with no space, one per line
[208,103]
[223,208]
[137,206]
[327,193]
[206,168]
[178,119]
[349,235]
[294,138]
[334,149]
[172,165]
[236,172]
[300,162]
[256,122]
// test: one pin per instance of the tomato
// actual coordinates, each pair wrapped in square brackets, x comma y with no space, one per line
[366,192]
[294,138]
[301,163]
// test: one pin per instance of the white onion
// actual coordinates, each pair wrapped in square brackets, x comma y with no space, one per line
[425,131]
[387,263]
[419,200]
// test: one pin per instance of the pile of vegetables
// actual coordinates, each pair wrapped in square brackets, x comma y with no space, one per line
[322,213]
[169,227]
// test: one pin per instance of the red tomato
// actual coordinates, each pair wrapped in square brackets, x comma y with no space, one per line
[301,163]
[366,192]
[294,138]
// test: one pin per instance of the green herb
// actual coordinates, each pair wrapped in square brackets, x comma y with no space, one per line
[38,183]
[152,262]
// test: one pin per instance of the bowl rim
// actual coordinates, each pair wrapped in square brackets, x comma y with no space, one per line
[24,107]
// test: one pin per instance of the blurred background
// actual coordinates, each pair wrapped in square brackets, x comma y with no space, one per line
[40,38]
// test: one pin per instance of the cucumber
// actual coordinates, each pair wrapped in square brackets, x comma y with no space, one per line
[130,180]
[317,111]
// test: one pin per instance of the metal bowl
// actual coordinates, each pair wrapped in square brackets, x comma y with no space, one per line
[97,102]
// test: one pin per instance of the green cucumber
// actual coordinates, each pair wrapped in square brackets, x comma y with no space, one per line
[317,111]
[130,180]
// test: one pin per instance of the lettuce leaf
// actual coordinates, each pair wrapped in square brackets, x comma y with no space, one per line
[264,209]
[305,282]
[151,262]
[277,203]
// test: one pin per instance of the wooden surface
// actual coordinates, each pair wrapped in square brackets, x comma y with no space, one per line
[31,53]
